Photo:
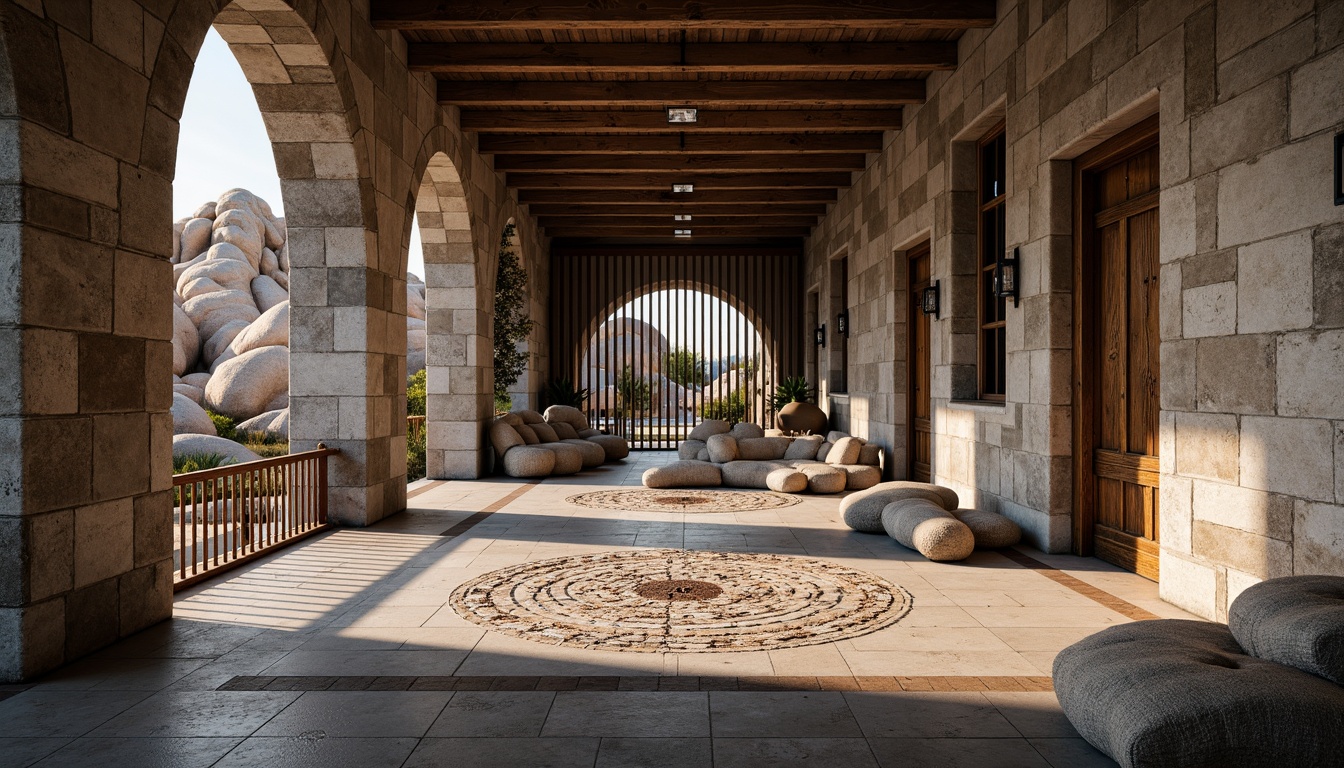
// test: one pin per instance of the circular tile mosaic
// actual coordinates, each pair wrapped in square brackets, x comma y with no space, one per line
[651,500]
[679,601]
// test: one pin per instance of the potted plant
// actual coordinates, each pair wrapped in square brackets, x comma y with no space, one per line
[795,408]
[563,392]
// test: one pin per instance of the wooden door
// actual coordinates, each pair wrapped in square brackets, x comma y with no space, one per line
[919,405]
[1120,340]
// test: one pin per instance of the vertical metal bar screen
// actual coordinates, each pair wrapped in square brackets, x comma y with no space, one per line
[665,337]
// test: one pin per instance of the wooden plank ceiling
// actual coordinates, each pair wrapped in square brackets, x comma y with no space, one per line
[571,98]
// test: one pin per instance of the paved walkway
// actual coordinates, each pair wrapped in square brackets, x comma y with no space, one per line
[342,651]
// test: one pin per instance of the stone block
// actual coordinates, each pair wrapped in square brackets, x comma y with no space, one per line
[1189,584]
[1210,310]
[57,463]
[1311,364]
[145,596]
[1259,556]
[1243,23]
[1240,128]
[1235,374]
[1328,278]
[1209,268]
[1177,219]
[1177,518]
[111,373]
[1318,538]
[35,639]
[1178,374]
[153,528]
[1315,100]
[50,554]
[1285,190]
[92,618]
[1207,446]
[1271,56]
[104,540]
[67,283]
[120,455]
[50,372]
[1245,509]
[1291,456]
[1273,275]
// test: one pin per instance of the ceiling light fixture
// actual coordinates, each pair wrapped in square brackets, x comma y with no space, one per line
[683,188]
[681,217]
[681,233]
[682,114]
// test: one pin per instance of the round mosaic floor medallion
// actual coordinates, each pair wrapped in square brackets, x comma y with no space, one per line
[657,500]
[677,601]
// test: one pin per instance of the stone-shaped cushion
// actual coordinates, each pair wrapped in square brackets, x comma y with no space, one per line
[786,480]
[928,529]
[762,448]
[503,437]
[689,449]
[1183,693]
[747,474]
[708,428]
[683,474]
[512,419]
[527,433]
[593,455]
[544,432]
[702,455]
[824,450]
[564,431]
[862,511]
[528,461]
[722,448]
[846,450]
[991,530]
[823,478]
[744,430]
[803,447]
[870,455]
[834,436]
[568,458]
[615,446]
[530,417]
[590,432]
[1295,620]
[568,414]
[860,477]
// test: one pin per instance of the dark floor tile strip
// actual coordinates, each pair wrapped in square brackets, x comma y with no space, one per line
[427,487]
[471,522]
[636,683]
[1122,607]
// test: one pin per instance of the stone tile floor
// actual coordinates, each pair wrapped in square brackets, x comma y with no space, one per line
[370,604]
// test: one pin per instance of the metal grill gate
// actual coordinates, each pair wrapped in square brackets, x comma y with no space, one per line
[593,346]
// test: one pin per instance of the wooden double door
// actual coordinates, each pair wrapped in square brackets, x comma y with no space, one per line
[919,405]
[1116,351]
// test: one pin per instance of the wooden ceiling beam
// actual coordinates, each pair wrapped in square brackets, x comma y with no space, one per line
[665,180]
[619,121]
[665,196]
[582,231]
[663,93]
[735,210]
[671,58]
[702,222]
[689,164]
[663,144]
[679,14]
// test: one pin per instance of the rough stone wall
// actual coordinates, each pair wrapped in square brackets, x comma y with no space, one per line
[89,103]
[1252,307]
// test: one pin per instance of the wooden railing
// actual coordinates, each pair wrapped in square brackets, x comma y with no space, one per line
[415,427]
[231,514]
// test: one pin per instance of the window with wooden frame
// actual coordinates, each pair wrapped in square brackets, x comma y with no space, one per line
[993,334]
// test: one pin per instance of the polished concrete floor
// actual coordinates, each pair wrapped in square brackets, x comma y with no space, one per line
[342,651]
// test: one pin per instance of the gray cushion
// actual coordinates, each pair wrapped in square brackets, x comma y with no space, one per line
[503,437]
[568,414]
[530,417]
[564,431]
[823,478]
[683,474]
[526,432]
[824,450]
[1295,620]
[860,477]
[991,529]
[568,458]
[786,480]
[689,449]
[544,432]
[862,511]
[615,446]
[745,430]
[927,528]
[592,453]
[871,454]
[722,448]
[708,428]
[803,447]
[1182,693]
[762,448]
[845,451]
[525,461]
[749,474]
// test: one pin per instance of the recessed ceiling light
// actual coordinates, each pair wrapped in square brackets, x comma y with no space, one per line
[681,188]
[681,217]
[682,114]
[681,233]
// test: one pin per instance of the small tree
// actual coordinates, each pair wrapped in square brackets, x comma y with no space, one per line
[512,323]
[634,395]
[686,368]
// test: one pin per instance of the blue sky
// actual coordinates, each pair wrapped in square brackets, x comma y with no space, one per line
[223,144]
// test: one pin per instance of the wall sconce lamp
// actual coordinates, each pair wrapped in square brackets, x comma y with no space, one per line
[1005,276]
[928,299]
[820,335]
[842,323]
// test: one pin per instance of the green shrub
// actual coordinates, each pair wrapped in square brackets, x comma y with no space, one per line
[503,403]
[686,368]
[793,389]
[731,409]
[633,394]
[195,462]
[563,392]
[415,394]
[225,426]
[512,324]
[415,456]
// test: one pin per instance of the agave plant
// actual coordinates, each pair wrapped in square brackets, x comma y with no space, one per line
[793,389]
[563,392]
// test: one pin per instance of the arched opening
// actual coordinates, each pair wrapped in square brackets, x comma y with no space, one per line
[668,356]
